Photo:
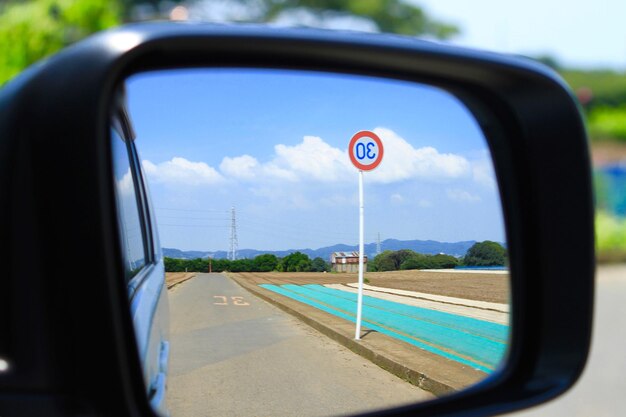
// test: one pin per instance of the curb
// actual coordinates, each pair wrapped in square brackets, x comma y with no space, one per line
[174,284]
[418,378]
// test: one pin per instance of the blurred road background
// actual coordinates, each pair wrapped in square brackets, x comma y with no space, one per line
[600,390]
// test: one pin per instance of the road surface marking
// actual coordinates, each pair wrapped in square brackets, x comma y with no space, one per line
[237,301]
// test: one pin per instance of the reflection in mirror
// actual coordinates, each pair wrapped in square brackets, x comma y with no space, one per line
[257,204]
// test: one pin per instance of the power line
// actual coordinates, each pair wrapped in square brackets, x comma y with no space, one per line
[195,225]
[308,234]
[193,210]
[193,218]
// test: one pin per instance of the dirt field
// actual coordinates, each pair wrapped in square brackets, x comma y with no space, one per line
[175,278]
[482,287]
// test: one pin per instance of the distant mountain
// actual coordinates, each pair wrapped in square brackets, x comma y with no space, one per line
[431,247]
[188,254]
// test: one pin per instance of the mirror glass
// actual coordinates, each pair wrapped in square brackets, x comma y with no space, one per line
[248,190]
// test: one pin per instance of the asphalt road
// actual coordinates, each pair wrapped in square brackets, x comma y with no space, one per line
[601,391]
[233,354]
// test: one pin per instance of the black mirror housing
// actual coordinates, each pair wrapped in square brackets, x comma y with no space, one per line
[64,329]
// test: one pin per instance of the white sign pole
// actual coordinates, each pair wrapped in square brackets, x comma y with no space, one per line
[359,307]
[366,152]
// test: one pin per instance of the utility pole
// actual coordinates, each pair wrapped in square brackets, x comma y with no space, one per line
[232,255]
[378,245]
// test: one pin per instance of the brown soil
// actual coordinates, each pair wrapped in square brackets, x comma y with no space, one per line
[482,287]
[175,278]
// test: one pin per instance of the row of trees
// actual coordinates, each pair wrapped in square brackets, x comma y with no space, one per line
[295,262]
[408,259]
[485,253]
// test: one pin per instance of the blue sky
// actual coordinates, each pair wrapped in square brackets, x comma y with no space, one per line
[581,34]
[273,145]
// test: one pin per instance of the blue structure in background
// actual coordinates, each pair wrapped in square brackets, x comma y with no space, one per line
[610,186]
[482,268]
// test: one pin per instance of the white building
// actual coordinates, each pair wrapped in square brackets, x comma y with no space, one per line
[347,262]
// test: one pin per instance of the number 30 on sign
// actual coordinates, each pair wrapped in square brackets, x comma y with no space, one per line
[365,150]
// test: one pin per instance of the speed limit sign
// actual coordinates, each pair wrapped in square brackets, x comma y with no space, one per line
[365,150]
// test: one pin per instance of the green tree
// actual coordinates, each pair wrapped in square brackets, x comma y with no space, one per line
[295,262]
[442,261]
[198,265]
[219,265]
[417,261]
[319,265]
[32,30]
[399,256]
[265,263]
[173,265]
[242,265]
[382,262]
[485,253]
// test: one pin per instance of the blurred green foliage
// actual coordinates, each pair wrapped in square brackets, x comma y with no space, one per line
[32,30]
[607,123]
[391,16]
[603,95]
[608,87]
[610,237]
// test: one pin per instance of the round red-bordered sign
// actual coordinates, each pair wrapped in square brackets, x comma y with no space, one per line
[371,150]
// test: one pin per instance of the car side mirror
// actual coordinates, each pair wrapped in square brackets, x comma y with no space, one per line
[69,341]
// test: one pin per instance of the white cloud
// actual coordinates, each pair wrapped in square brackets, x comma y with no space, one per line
[242,167]
[396,198]
[125,184]
[180,171]
[274,171]
[402,161]
[248,168]
[313,159]
[483,174]
[462,196]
